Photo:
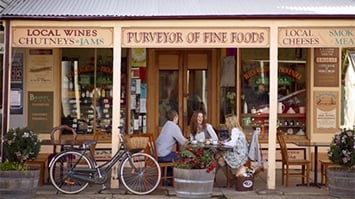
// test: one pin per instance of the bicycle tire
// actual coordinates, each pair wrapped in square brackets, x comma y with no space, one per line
[146,176]
[62,164]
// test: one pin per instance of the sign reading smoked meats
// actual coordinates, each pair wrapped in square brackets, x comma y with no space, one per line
[195,37]
[316,37]
[62,37]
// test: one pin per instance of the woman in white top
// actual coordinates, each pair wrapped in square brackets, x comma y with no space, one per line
[200,130]
[237,157]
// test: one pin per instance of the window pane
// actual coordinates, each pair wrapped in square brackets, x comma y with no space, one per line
[197,93]
[168,93]
[87,89]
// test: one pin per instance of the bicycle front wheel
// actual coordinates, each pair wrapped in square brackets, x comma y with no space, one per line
[62,168]
[140,173]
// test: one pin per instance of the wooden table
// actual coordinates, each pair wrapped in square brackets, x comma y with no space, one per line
[220,147]
[315,145]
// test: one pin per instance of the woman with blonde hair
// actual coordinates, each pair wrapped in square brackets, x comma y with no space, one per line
[237,157]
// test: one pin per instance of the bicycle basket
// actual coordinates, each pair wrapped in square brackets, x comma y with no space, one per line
[137,142]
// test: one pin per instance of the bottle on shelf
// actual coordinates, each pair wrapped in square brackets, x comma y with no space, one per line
[253,110]
[245,108]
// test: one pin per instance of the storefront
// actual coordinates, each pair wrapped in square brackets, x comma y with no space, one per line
[98,75]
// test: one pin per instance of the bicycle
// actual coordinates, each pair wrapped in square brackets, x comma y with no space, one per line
[73,169]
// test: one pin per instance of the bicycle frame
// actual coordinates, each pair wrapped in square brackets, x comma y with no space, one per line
[83,173]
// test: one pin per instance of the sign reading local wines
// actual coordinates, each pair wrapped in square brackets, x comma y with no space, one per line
[95,37]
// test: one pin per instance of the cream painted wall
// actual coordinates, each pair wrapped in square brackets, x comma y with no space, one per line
[273,24]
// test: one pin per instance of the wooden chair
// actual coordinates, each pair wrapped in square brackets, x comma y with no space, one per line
[163,165]
[152,150]
[259,168]
[324,164]
[287,163]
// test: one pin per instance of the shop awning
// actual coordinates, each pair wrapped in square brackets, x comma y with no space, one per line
[138,9]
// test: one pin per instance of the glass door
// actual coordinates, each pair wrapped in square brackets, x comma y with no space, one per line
[183,85]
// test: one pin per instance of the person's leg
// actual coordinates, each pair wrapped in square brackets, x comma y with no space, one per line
[220,159]
[169,158]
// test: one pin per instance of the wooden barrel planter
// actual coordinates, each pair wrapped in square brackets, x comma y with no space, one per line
[19,184]
[341,182]
[193,183]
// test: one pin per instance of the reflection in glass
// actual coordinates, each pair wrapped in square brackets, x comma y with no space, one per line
[228,90]
[86,89]
[168,93]
[197,92]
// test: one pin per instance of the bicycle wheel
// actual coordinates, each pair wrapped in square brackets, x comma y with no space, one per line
[140,174]
[62,167]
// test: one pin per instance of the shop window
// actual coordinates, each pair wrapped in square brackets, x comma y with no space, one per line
[255,80]
[168,97]
[228,89]
[87,89]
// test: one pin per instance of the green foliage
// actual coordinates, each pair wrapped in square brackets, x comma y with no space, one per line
[20,145]
[342,148]
[7,166]
[195,157]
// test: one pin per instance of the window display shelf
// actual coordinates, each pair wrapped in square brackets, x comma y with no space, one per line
[290,124]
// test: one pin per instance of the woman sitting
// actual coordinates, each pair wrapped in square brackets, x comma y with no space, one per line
[237,157]
[200,130]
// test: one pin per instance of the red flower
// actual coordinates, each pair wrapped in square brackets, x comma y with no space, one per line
[196,158]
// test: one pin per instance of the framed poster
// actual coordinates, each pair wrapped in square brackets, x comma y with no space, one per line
[40,69]
[16,93]
[325,117]
[326,67]
[40,111]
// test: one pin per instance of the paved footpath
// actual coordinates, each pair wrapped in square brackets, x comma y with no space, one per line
[259,192]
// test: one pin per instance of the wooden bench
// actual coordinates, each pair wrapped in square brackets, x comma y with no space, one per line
[42,167]
[324,164]
[40,162]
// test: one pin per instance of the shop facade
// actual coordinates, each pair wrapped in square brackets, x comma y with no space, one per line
[276,75]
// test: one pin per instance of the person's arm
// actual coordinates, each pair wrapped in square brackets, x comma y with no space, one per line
[211,131]
[192,137]
[234,137]
[179,136]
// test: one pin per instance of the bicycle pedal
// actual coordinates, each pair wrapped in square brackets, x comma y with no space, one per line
[69,182]
[103,188]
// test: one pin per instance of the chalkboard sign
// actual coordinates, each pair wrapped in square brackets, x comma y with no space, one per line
[40,111]
[326,67]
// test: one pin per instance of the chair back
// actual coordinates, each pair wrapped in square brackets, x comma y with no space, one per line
[283,146]
[60,129]
[151,147]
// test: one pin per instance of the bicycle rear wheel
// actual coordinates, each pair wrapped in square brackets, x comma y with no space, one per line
[62,167]
[140,174]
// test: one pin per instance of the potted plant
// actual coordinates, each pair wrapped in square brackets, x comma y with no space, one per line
[194,172]
[342,152]
[16,179]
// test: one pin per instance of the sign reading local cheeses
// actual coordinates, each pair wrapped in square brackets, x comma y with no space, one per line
[316,37]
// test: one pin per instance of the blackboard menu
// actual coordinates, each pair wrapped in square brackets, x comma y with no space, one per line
[40,111]
[326,67]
